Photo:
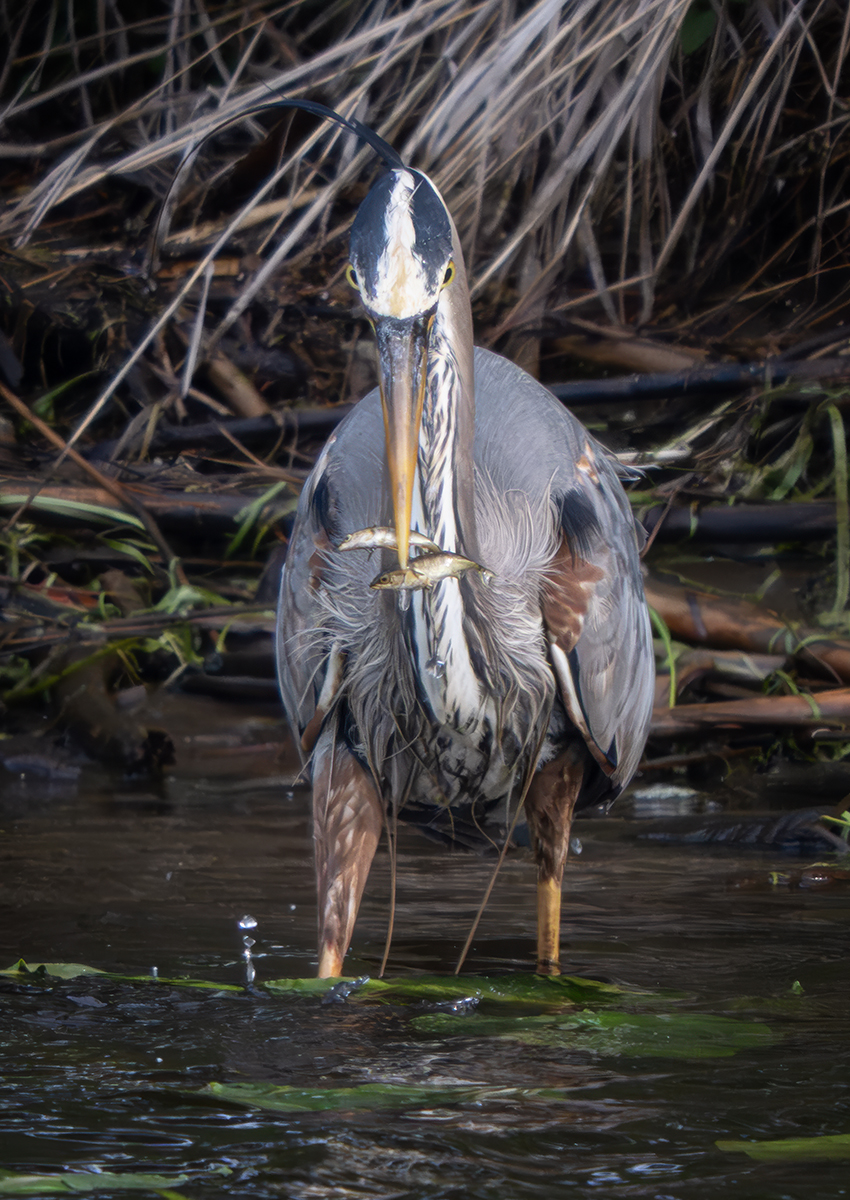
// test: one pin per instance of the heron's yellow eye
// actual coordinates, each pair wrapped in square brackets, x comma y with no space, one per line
[450,274]
[352,277]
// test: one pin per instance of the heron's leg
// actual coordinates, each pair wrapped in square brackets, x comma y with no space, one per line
[549,808]
[347,823]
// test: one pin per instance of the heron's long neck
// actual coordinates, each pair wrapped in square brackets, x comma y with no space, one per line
[446,480]
[446,513]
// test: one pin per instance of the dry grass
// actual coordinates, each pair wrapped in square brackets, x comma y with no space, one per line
[634,161]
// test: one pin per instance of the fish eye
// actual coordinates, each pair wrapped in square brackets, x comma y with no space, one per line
[351,276]
[450,273]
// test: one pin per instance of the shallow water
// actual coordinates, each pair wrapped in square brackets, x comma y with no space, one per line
[105,1075]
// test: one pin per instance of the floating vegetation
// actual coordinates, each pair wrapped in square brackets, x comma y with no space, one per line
[523,990]
[15,1183]
[649,1035]
[373,1096]
[796,1149]
[44,972]
[568,1012]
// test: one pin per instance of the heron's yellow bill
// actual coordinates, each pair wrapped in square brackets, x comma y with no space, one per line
[403,366]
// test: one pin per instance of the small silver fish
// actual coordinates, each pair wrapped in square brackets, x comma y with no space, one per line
[426,570]
[379,537]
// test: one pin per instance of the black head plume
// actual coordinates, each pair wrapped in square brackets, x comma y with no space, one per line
[390,157]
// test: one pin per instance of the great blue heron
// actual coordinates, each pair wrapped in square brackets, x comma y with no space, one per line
[458,701]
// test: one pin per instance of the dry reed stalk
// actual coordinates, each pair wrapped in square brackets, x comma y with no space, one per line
[586,147]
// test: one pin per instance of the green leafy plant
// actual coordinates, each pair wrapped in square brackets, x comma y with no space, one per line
[249,518]
[17,541]
[843,823]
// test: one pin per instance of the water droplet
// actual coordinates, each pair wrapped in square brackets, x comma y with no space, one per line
[248,942]
[436,667]
[154,972]
[292,907]
[247,922]
[250,973]
[575,845]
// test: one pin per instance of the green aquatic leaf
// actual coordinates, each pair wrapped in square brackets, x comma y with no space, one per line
[304,987]
[653,1035]
[73,970]
[368,1096]
[14,1183]
[538,991]
[153,980]
[54,970]
[792,1149]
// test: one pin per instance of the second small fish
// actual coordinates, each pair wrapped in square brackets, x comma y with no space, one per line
[426,571]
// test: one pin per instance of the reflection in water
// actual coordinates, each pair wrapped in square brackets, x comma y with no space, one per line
[108,1075]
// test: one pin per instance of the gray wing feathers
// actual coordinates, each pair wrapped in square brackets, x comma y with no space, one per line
[527,439]
[345,492]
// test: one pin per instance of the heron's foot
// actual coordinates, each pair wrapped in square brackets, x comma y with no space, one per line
[330,963]
[547,967]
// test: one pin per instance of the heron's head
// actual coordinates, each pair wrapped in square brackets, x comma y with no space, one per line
[403,258]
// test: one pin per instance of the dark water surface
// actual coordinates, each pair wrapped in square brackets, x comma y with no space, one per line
[103,1075]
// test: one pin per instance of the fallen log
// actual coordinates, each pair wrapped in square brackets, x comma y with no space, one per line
[773,712]
[289,424]
[798,832]
[734,624]
[28,632]
[231,687]
[178,511]
[719,379]
[709,380]
[763,523]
